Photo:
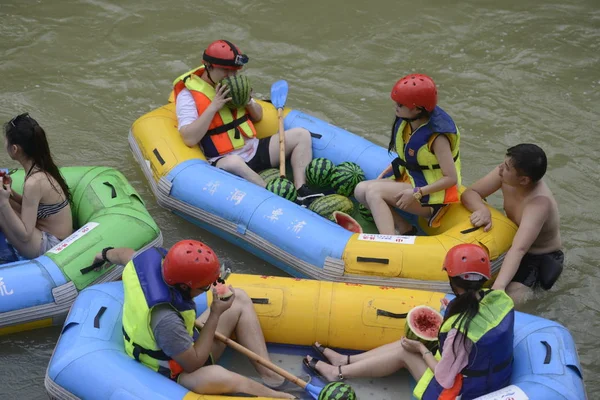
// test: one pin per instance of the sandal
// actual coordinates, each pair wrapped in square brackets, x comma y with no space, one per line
[312,367]
[321,350]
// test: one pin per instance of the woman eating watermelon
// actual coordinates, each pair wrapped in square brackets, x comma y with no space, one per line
[427,169]
[475,340]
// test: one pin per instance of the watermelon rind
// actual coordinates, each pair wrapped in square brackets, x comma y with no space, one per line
[411,331]
[347,222]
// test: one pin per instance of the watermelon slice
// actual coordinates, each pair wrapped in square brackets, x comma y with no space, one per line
[223,291]
[347,222]
[423,323]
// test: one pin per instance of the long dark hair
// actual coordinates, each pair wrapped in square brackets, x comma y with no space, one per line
[392,144]
[465,305]
[25,132]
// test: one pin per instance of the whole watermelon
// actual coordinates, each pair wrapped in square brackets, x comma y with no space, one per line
[345,177]
[337,391]
[239,90]
[326,205]
[269,174]
[365,213]
[318,173]
[283,187]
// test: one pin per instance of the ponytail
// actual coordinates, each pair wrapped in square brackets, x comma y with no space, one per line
[465,305]
[25,132]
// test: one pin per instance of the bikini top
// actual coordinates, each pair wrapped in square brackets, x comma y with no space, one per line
[46,210]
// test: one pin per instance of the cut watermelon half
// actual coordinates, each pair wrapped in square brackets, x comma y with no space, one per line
[347,222]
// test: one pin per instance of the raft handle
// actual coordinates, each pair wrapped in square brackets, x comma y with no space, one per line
[158,157]
[97,317]
[373,260]
[259,300]
[92,267]
[548,352]
[113,192]
[390,314]
[473,229]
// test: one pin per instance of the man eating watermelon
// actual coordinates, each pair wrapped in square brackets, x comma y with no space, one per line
[216,111]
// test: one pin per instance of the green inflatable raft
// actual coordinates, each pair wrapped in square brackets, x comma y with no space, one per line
[107,211]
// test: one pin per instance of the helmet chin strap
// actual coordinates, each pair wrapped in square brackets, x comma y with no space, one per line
[209,77]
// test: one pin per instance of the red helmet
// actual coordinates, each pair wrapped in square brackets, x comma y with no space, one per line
[468,261]
[192,263]
[224,54]
[415,90]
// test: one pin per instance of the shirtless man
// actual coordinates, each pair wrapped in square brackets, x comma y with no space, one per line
[535,258]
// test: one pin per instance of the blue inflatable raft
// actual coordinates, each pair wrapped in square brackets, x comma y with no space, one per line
[89,361]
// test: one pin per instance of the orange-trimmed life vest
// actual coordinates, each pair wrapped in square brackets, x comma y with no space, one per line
[228,128]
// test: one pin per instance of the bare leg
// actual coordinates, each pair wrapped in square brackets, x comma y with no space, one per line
[519,292]
[378,365]
[298,145]
[336,358]
[237,166]
[241,319]
[215,379]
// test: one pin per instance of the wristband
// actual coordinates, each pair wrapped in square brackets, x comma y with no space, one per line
[427,352]
[104,251]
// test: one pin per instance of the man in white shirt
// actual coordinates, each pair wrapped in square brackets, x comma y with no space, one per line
[200,101]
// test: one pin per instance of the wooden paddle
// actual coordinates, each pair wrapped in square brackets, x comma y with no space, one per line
[279,92]
[313,390]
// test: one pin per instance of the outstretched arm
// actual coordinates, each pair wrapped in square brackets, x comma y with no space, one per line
[534,216]
[472,198]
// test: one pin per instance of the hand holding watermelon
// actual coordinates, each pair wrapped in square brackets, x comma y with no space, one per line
[221,97]
[223,298]
[6,179]
[412,346]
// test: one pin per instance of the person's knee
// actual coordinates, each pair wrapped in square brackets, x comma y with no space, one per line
[210,379]
[242,298]
[233,164]
[300,136]
[361,189]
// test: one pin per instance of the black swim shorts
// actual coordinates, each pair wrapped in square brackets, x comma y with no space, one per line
[260,161]
[540,269]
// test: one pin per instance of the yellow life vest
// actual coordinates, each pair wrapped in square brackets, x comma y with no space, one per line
[417,159]
[137,308]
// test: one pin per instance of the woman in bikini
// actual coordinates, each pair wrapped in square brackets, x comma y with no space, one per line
[39,219]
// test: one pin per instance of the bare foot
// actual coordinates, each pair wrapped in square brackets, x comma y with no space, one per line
[327,370]
[334,357]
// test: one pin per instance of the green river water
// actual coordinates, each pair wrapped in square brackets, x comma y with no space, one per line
[508,71]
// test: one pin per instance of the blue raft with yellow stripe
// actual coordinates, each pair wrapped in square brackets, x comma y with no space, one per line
[89,361]
[293,238]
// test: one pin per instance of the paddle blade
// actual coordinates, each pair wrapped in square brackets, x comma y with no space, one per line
[279,92]
[313,390]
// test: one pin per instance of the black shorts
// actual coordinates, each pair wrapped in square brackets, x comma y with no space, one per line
[261,160]
[540,269]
